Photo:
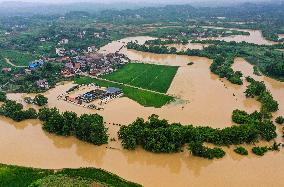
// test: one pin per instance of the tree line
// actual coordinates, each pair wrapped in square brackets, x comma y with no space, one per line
[159,136]
[87,127]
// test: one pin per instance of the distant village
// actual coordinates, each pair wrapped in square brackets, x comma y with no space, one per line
[75,62]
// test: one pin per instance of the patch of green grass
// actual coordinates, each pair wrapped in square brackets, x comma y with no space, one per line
[148,76]
[62,181]
[15,176]
[18,58]
[143,97]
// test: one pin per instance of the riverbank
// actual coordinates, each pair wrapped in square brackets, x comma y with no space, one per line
[211,102]
[23,176]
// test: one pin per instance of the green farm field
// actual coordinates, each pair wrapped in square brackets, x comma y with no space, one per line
[148,76]
[143,97]
[12,176]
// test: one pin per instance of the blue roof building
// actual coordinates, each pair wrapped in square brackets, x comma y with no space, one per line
[113,90]
[36,64]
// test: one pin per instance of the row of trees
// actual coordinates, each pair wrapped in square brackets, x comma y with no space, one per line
[197,149]
[39,100]
[15,111]
[222,67]
[157,135]
[259,90]
[164,42]
[260,151]
[87,127]
[152,48]
[241,151]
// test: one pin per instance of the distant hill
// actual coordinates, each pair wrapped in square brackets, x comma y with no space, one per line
[12,8]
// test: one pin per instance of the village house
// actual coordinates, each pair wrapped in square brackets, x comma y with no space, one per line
[95,72]
[66,73]
[64,59]
[63,41]
[92,49]
[69,65]
[6,70]
[42,84]
[28,71]
[77,65]
[36,64]
[60,51]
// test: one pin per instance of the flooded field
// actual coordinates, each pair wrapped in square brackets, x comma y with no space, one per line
[255,36]
[191,46]
[204,99]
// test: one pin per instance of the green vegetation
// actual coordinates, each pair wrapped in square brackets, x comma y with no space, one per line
[256,71]
[279,120]
[62,180]
[11,176]
[157,135]
[148,76]
[267,60]
[260,151]
[222,67]
[165,42]
[221,64]
[18,58]
[15,111]
[258,89]
[143,97]
[197,149]
[89,128]
[3,96]
[40,100]
[158,49]
[241,151]
[182,34]
[242,117]
[20,82]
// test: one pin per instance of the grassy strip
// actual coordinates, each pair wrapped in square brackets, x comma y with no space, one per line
[145,98]
[23,176]
[148,76]
[18,58]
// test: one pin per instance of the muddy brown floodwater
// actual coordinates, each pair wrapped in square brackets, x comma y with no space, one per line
[204,100]
[255,36]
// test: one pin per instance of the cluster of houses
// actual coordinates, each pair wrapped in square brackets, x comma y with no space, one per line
[62,52]
[94,64]
[34,65]
[103,96]
[105,64]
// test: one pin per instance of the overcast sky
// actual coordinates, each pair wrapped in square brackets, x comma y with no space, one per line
[138,1]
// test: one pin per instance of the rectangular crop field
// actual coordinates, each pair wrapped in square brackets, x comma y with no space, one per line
[148,76]
[143,97]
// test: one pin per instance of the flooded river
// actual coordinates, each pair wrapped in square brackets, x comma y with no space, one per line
[255,36]
[206,100]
